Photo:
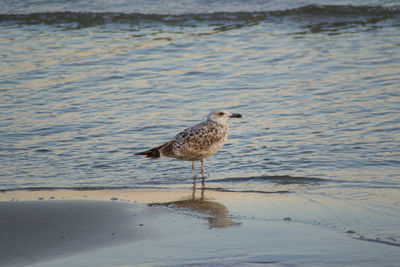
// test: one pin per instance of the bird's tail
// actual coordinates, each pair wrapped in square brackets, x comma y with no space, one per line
[153,153]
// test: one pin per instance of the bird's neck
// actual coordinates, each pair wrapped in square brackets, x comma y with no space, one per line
[219,122]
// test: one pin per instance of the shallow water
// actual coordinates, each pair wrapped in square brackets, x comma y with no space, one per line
[318,88]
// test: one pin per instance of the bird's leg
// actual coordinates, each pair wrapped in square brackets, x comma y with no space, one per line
[202,172]
[194,171]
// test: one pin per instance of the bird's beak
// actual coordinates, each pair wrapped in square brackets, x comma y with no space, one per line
[235,115]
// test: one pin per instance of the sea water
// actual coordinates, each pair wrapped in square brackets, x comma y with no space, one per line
[86,85]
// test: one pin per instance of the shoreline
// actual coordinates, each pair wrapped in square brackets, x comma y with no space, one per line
[173,227]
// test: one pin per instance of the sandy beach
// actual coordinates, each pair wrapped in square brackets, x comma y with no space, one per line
[179,227]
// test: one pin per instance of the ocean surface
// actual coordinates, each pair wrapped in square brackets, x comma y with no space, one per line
[84,85]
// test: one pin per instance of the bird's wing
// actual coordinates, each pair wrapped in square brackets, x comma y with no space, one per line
[198,139]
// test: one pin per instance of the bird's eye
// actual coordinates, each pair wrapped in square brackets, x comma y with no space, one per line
[220,114]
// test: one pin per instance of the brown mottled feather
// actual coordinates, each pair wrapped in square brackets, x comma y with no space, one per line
[196,143]
[153,153]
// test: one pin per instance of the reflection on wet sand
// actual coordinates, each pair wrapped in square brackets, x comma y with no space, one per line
[215,213]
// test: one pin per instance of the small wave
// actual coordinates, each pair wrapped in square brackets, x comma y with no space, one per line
[389,241]
[43,150]
[285,179]
[76,188]
[219,189]
[360,14]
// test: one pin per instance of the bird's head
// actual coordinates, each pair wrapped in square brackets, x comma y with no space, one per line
[221,116]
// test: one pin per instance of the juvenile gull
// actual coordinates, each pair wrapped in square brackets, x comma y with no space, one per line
[198,142]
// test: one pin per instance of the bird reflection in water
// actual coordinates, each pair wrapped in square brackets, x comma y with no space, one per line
[215,213]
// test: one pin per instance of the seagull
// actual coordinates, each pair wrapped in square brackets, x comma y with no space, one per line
[198,142]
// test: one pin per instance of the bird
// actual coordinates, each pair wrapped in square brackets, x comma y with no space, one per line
[196,143]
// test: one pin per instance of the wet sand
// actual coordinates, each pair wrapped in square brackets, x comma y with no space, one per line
[179,227]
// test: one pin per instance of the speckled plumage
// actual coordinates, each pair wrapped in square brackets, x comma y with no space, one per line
[198,142]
